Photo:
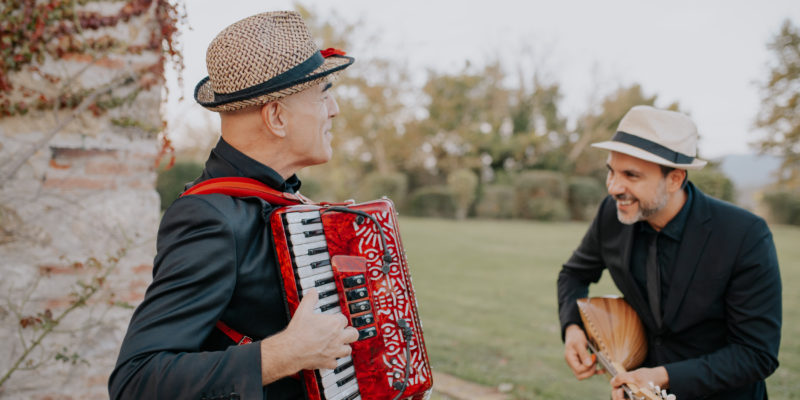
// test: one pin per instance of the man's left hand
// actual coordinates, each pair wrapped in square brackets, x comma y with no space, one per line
[640,377]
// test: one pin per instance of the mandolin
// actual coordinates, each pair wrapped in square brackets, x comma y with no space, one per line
[616,337]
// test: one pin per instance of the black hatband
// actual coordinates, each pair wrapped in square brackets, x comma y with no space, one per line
[652,147]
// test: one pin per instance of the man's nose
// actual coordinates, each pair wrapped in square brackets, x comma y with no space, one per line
[333,107]
[615,187]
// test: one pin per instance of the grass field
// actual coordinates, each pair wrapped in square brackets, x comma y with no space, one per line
[487,298]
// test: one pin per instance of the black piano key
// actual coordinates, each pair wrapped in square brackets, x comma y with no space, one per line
[355,280]
[307,221]
[362,320]
[327,307]
[356,294]
[343,381]
[367,333]
[343,367]
[328,293]
[320,282]
[316,232]
[354,395]
[318,250]
[359,307]
[321,263]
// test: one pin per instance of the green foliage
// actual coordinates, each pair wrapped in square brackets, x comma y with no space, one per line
[585,194]
[780,103]
[171,181]
[714,182]
[541,195]
[312,188]
[497,201]
[463,183]
[784,206]
[393,185]
[432,201]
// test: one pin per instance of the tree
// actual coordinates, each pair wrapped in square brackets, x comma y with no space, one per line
[779,116]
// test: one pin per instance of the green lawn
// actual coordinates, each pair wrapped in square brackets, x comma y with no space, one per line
[487,298]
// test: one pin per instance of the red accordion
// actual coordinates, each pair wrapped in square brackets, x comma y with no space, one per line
[353,256]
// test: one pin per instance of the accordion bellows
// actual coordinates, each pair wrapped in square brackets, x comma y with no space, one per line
[615,329]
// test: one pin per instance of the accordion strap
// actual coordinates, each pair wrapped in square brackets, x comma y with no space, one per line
[247,187]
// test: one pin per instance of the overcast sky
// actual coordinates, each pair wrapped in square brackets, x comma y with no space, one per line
[707,55]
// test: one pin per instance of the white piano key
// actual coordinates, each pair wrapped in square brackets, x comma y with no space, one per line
[302,249]
[300,228]
[346,394]
[333,390]
[303,261]
[300,238]
[310,281]
[332,378]
[339,363]
[305,272]
[294,217]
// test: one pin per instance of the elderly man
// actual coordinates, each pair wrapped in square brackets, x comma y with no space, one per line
[701,274]
[215,262]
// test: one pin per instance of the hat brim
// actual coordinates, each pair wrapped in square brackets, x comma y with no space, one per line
[204,93]
[634,151]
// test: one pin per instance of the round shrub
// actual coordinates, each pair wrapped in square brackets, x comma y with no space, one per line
[463,183]
[784,206]
[170,182]
[714,183]
[541,195]
[497,201]
[584,195]
[432,201]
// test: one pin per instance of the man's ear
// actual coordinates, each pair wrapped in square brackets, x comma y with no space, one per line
[274,117]
[675,179]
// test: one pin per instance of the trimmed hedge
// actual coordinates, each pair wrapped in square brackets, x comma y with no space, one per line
[170,182]
[463,184]
[497,201]
[714,183]
[784,206]
[541,195]
[432,201]
[585,195]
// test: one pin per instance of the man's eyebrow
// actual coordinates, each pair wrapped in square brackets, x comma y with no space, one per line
[327,86]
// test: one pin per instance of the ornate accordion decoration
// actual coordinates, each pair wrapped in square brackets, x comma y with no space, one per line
[353,256]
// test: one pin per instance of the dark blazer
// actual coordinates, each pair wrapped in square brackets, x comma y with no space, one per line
[722,315]
[214,262]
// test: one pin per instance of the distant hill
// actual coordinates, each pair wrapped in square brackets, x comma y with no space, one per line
[750,173]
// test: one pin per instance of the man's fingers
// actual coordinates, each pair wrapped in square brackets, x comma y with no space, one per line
[309,300]
[350,334]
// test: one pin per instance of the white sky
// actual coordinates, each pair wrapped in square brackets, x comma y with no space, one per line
[707,55]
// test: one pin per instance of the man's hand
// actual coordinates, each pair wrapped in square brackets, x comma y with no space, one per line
[641,378]
[311,341]
[576,354]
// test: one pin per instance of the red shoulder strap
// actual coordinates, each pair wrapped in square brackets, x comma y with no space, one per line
[246,187]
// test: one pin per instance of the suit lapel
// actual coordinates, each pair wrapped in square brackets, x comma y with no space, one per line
[695,235]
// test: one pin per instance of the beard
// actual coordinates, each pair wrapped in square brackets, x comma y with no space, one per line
[645,210]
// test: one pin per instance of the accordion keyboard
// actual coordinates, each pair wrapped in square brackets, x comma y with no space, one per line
[312,265]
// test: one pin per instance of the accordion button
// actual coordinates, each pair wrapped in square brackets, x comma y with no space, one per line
[352,281]
[356,294]
[362,320]
[359,307]
[367,333]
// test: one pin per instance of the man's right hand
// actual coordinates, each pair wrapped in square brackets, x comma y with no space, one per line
[311,341]
[576,353]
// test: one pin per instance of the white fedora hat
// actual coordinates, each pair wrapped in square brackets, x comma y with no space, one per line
[663,137]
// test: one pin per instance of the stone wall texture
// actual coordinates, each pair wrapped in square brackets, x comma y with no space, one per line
[85,197]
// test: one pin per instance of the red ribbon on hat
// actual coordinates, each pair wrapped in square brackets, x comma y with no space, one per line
[331,51]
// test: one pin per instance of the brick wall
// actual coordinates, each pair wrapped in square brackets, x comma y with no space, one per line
[79,200]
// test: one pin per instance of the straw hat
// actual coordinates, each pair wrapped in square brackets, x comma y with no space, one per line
[663,137]
[263,58]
